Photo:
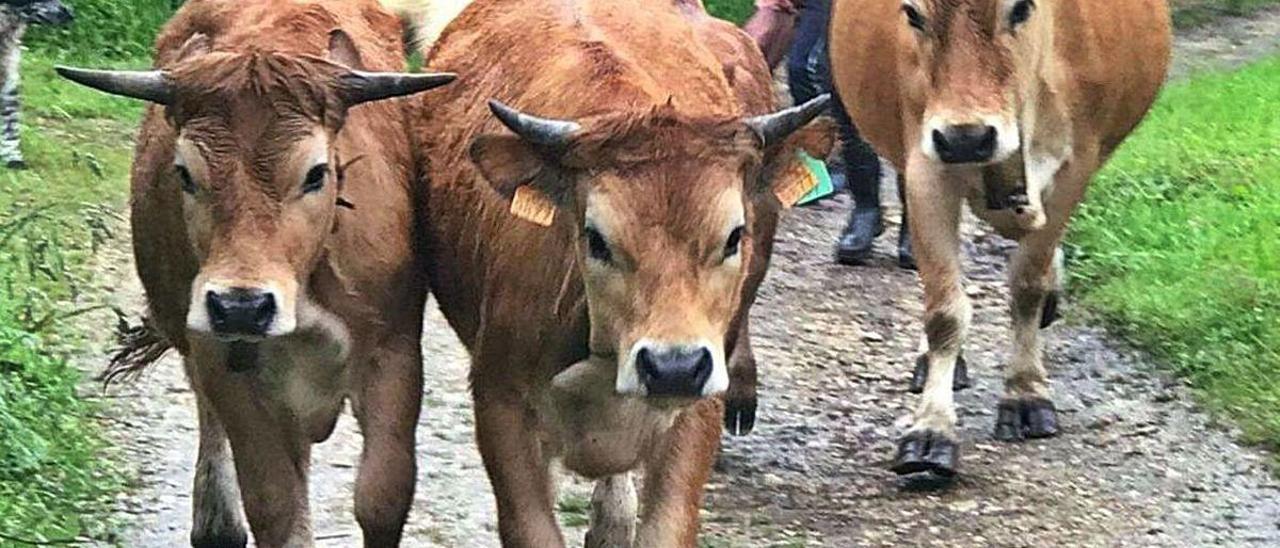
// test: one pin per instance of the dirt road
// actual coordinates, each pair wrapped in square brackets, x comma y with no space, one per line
[1136,465]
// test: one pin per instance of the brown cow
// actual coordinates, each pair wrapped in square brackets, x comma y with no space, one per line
[282,303]
[600,337]
[1011,105]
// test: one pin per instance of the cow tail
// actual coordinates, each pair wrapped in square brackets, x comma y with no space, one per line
[137,347]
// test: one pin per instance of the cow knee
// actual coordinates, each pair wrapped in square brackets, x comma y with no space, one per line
[945,327]
[384,493]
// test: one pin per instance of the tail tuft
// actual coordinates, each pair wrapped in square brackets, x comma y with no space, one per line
[139,346]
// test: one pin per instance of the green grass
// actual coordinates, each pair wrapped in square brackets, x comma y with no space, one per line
[56,477]
[733,10]
[114,29]
[1179,241]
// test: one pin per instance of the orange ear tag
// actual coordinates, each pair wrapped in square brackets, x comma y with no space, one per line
[796,182]
[533,206]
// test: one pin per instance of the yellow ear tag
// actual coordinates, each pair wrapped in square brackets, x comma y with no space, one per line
[533,206]
[796,182]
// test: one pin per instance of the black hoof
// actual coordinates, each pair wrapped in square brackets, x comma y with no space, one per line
[1018,419]
[927,451]
[1049,313]
[959,381]
[739,415]
[16,165]
[221,540]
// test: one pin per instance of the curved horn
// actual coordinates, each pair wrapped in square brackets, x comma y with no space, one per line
[148,85]
[362,87]
[539,131]
[774,128]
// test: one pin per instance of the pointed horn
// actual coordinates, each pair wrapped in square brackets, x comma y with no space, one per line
[362,87]
[539,131]
[774,128]
[148,85]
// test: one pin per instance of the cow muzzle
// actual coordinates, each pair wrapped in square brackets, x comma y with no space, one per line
[240,312]
[673,370]
[985,141]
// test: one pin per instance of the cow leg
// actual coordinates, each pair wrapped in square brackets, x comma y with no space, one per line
[387,406]
[613,513]
[931,444]
[1026,410]
[506,431]
[675,475]
[270,452]
[216,519]
[740,399]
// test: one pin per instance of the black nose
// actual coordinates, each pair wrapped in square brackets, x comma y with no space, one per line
[674,371]
[241,311]
[965,143]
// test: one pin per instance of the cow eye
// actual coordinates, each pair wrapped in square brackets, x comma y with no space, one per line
[315,178]
[597,247]
[914,18]
[734,242]
[1021,12]
[184,179]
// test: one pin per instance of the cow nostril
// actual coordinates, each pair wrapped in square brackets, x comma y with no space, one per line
[214,304]
[645,364]
[987,145]
[940,141]
[703,369]
[266,307]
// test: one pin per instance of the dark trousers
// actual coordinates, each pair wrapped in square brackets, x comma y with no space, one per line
[809,75]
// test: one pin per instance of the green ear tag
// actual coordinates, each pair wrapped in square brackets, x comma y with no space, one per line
[818,169]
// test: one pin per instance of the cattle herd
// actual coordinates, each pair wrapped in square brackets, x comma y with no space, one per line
[592,200]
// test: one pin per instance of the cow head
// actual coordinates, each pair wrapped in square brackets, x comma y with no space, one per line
[971,65]
[661,206]
[258,171]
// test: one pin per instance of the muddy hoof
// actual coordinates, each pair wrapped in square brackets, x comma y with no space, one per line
[1049,313]
[959,381]
[927,451]
[739,415]
[1018,419]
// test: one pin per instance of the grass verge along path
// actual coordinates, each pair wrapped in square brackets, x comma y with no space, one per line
[1178,245]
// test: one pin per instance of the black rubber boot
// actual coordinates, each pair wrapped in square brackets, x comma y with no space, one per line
[859,236]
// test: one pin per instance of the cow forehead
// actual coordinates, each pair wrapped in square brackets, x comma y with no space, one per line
[961,18]
[684,203]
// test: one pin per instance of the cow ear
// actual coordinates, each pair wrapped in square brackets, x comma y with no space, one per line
[522,174]
[785,173]
[198,44]
[342,50]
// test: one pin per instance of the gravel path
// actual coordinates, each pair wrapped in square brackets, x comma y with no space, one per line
[1137,464]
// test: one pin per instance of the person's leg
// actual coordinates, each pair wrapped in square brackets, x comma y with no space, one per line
[862,168]
[811,27]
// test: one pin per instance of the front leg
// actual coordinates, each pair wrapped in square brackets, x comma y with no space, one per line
[216,518]
[740,399]
[1027,410]
[387,405]
[272,456]
[931,444]
[675,475]
[507,433]
[613,513]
